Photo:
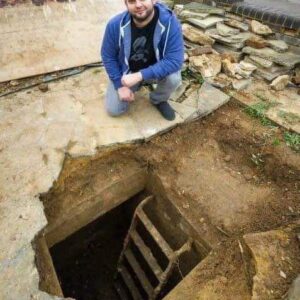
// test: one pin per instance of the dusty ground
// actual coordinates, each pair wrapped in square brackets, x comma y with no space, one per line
[228,166]
[228,178]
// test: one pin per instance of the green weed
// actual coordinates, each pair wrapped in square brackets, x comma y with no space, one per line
[292,140]
[188,74]
[276,142]
[258,110]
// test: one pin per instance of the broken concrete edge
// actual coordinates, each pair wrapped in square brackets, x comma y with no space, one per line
[104,150]
[259,258]
[250,260]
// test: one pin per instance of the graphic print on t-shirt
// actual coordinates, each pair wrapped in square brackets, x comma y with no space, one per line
[138,48]
[142,54]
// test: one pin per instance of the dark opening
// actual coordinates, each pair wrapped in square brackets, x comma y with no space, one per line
[86,262]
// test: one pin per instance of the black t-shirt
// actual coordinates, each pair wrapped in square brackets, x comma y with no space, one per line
[142,54]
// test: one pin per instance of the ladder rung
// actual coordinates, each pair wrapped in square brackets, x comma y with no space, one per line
[120,290]
[155,234]
[139,272]
[146,253]
[130,283]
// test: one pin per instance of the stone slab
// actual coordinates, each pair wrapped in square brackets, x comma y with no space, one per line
[273,252]
[206,99]
[195,35]
[287,111]
[235,41]
[186,112]
[190,14]
[203,8]
[210,99]
[176,95]
[261,62]
[225,30]
[277,45]
[228,50]
[205,23]
[287,59]
[271,73]
[148,119]
[55,36]
[237,24]
[192,99]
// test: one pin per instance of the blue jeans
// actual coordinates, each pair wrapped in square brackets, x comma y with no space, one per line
[115,107]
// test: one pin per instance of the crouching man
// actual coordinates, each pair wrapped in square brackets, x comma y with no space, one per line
[142,44]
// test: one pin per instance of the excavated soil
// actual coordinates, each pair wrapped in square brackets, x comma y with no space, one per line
[224,173]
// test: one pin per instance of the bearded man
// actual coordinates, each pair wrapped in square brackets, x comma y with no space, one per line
[142,44]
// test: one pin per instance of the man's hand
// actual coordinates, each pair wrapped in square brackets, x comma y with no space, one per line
[130,80]
[125,94]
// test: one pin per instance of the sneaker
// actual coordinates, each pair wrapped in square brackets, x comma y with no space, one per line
[166,110]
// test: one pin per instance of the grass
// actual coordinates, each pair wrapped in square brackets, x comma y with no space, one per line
[258,110]
[188,74]
[276,142]
[292,140]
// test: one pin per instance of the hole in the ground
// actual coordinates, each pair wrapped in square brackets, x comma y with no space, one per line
[86,261]
[138,249]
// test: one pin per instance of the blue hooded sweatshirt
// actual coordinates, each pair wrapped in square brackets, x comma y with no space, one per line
[167,42]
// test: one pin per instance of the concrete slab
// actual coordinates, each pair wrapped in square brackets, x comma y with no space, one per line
[192,99]
[210,99]
[148,119]
[176,95]
[55,36]
[187,113]
[36,131]
[205,100]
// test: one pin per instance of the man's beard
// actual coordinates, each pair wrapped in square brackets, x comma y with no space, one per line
[138,19]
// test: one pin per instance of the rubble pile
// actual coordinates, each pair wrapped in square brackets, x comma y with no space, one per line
[228,51]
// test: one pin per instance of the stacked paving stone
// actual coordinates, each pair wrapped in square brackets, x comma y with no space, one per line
[228,50]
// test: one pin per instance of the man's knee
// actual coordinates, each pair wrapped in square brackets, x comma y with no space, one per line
[115,111]
[113,106]
[174,80]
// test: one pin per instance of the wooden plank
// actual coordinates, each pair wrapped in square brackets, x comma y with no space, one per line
[130,283]
[155,234]
[139,272]
[147,254]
